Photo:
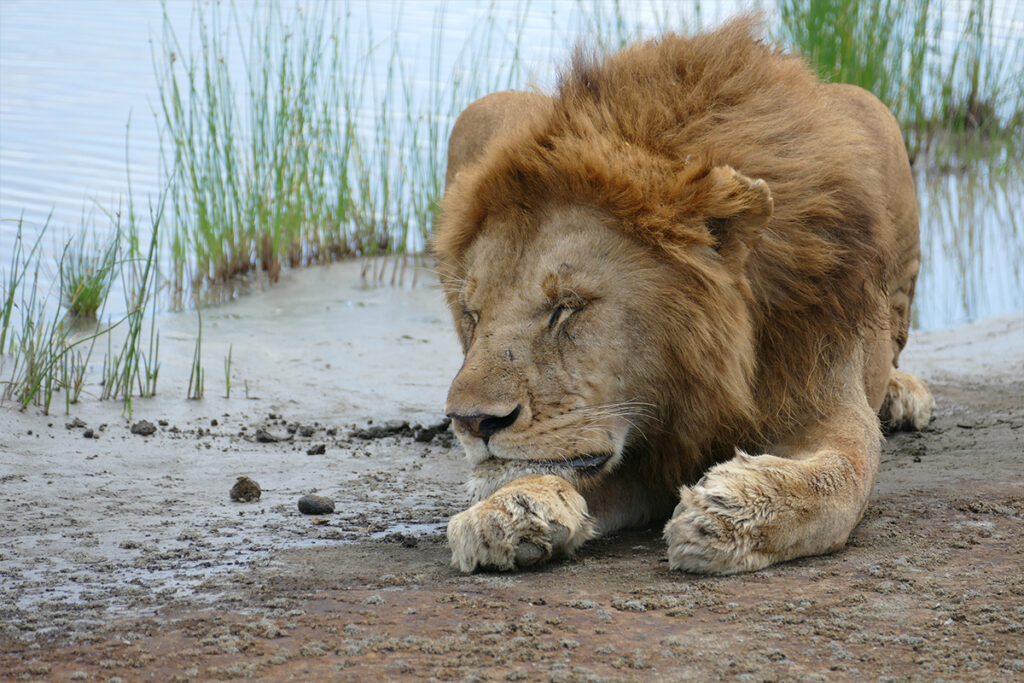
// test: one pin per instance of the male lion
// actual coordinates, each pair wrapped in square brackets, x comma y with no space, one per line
[692,251]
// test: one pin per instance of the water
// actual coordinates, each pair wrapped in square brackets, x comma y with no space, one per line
[73,73]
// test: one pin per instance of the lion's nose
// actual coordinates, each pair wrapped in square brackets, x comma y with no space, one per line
[485,426]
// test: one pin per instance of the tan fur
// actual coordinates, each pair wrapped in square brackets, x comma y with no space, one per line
[692,247]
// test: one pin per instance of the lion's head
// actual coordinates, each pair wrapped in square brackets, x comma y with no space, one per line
[610,273]
[568,326]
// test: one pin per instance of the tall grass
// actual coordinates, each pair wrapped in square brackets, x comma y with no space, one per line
[135,365]
[955,86]
[317,155]
[265,173]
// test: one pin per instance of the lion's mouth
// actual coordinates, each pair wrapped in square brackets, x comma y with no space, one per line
[585,463]
[581,465]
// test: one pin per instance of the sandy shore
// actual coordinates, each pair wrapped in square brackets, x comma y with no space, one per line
[123,556]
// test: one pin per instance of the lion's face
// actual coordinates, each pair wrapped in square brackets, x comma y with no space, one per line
[564,354]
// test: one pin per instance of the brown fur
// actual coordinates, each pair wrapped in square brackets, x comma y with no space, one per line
[761,297]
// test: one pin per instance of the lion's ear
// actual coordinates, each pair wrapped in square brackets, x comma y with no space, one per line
[737,209]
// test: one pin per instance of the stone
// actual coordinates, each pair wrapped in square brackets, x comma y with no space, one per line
[312,504]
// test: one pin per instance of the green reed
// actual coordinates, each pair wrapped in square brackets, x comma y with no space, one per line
[197,375]
[955,86]
[258,171]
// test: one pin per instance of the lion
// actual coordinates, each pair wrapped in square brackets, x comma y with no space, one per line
[681,283]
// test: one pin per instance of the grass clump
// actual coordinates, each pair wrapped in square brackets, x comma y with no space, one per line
[39,345]
[46,348]
[87,273]
[133,364]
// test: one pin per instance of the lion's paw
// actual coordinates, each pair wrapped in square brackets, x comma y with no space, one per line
[527,521]
[908,403]
[717,526]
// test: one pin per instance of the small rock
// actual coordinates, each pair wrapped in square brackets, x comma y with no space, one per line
[245,490]
[143,428]
[306,431]
[263,436]
[318,449]
[424,434]
[77,423]
[88,433]
[312,504]
[213,422]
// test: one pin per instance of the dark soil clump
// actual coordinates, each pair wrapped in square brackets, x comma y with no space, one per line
[263,436]
[245,490]
[144,428]
[401,428]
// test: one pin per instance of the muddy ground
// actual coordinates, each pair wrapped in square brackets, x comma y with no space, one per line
[122,556]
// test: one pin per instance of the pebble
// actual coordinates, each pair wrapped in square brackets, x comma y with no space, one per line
[143,428]
[245,490]
[311,504]
[318,449]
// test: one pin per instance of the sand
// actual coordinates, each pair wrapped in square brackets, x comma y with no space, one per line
[123,556]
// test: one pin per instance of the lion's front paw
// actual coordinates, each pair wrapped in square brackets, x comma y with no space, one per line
[523,523]
[718,524]
[908,403]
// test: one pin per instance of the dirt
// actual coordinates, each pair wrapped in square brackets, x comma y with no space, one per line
[123,557]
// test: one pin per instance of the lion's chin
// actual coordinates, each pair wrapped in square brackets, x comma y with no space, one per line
[493,473]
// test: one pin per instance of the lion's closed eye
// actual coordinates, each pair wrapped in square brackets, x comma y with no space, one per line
[564,309]
[559,316]
[468,323]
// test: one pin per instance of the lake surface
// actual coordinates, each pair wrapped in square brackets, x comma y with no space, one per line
[73,73]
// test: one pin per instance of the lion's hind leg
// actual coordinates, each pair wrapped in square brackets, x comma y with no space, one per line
[908,403]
